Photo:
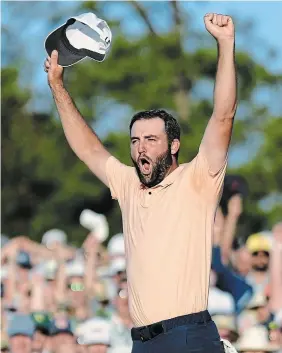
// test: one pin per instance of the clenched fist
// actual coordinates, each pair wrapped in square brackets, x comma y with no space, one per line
[54,70]
[221,27]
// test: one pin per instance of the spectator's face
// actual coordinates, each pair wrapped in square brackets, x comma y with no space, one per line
[150,151]
[20,344]
[260,261]
[76,291]
[97,348]
[38,342]
[275,336]
[62,339]
[243,261]
[66,348]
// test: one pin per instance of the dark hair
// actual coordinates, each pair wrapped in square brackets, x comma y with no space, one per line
[172,127]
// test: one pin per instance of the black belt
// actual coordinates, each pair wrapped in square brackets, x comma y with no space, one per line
[146,333]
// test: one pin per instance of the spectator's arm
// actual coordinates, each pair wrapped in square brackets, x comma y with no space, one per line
[11,283]
[90,249]
[230,282]
[276,269]
[230,224]
[37,293]
[61,282]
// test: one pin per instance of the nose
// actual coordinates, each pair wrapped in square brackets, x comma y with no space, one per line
[141,147]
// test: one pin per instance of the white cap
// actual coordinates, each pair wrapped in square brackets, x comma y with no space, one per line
[258,300]
[220,302]
[96,223]
[116,245]
[75,269]
[54,235]
[255,339]
[81,36]
[117,265]
[94,331]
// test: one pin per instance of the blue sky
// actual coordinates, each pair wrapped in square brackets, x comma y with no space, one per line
[266,32]
[32,25]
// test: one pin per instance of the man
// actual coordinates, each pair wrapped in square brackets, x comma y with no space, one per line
[94,336]
[260,248]
[21,329]
[168,210]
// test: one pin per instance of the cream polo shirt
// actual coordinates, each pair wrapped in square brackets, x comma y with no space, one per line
[168,237]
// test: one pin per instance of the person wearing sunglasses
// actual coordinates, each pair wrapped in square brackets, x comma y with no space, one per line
[260,248]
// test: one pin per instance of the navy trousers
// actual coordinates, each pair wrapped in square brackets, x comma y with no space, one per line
[187,337]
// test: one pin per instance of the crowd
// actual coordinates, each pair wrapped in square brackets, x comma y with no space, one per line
[56,298]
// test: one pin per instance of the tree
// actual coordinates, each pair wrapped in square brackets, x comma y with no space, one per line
[44,185]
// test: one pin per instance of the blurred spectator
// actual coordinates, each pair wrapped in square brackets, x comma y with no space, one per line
[61,333]
[255,340]
[58,299]
[121,323]
[242,261]
[21,330]
[259,246]
[53,238]
[226,325]
[94,335]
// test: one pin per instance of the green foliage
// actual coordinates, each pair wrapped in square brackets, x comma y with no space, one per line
[44,185]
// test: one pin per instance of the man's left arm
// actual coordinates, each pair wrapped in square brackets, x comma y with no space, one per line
[217,136]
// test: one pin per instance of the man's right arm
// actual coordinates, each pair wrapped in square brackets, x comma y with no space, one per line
[81,138]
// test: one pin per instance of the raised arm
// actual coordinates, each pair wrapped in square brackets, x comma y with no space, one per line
[81,138]
[217,136]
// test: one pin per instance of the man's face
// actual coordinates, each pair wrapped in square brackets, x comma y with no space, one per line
[260,261]
[150,151]
[20,344]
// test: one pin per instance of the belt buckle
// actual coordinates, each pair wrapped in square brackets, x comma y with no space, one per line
[145,334]
[157,329]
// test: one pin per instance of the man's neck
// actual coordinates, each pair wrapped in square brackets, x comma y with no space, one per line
[172,168]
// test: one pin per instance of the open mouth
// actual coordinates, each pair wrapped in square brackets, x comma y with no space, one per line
[144,165]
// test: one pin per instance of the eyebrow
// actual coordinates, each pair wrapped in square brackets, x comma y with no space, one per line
[146,137]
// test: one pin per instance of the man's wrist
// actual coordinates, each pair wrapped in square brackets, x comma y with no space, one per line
[56,85]
[226,43]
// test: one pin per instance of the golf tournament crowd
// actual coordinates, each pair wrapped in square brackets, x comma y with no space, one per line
[56,298]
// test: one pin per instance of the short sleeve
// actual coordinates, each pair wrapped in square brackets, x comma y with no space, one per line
[119,176]
[209,181]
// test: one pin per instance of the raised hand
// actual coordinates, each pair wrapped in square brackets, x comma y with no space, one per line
[221,27]
[235,205]
[54,70]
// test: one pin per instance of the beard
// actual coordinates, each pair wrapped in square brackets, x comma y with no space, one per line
[159,169]
[261,268]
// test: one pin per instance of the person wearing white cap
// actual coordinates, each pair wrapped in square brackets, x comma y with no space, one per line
[53,237]
[95,334]
[255,340]
[168,209]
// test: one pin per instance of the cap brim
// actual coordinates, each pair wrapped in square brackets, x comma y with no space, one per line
[54,42]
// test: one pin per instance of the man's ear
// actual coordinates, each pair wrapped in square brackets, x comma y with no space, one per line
[175,145]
